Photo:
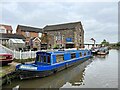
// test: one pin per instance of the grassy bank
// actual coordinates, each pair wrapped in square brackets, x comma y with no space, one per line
[6,69]
[115,47]
[7,72]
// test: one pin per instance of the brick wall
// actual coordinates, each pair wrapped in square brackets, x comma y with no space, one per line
[76,34]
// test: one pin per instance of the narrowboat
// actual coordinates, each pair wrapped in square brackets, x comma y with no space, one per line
[94,50]
[47,63]
[103,51]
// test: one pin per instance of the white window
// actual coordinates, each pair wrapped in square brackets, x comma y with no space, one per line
[9,31]
[27,34]
[2,31]
[40,34]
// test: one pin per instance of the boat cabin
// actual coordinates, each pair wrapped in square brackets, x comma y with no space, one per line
[48,58]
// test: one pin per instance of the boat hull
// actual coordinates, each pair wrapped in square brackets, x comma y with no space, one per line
[94,52]
[102,53]
[25,74]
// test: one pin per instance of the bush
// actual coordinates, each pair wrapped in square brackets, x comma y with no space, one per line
[56,46]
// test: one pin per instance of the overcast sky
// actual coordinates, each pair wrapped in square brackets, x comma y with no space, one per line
[99,19]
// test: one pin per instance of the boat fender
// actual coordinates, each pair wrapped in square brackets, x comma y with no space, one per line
[66,65]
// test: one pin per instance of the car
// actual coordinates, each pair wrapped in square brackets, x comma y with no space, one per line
[5,57]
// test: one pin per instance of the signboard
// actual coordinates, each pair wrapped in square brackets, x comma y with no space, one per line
[68,39]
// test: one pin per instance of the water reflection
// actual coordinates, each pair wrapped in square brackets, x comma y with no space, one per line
[101,56]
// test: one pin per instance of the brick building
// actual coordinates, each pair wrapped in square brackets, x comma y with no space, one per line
[68,35]
[32,35]
[6,37]
[5,28]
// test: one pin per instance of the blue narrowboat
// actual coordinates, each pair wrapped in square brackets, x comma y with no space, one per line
[47,63]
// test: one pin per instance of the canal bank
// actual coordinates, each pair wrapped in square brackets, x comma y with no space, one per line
[98,72]
[8,73]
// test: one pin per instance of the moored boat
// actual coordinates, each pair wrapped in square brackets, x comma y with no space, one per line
[47,63]
[103,51]
[94,50]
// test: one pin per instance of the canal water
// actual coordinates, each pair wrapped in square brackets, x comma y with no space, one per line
[98,72]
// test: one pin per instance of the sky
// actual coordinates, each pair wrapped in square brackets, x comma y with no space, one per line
[99,19]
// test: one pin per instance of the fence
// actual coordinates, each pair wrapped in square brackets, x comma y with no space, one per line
[19,54]
[24,55]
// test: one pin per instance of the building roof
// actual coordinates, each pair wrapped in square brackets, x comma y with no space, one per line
[7,27]
[29,29]
[61,26]
[15,36]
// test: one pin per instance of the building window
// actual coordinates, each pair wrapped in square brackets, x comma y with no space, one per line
[73,55]
[80,40]
[9,31]
[27,34]
[59,58]
[2,31]
[40,34]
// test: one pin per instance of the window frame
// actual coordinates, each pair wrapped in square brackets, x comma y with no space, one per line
[73,55]
[59,58]
[80,54]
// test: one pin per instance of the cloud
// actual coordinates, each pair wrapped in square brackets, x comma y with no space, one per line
[99,19]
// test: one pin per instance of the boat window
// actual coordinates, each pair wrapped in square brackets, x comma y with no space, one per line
[80,54]
[39,58]
[44,59]
[59,58]
[73,55]
[85,54]
[88,52]
[48,59]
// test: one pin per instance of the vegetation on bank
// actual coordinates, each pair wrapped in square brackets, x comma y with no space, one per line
[6,69]
[111,45]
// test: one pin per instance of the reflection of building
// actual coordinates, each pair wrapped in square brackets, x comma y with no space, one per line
[68,35]
[31,34]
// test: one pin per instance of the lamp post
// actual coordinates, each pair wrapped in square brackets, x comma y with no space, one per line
[93,40]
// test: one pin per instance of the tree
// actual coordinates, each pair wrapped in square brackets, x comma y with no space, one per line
[105,43]
[118,44]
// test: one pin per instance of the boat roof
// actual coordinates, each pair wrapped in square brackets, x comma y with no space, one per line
[61,52]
